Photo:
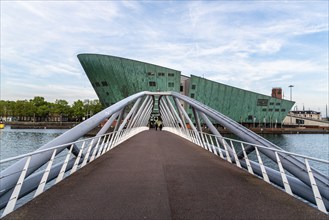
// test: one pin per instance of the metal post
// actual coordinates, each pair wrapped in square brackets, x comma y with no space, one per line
[291,86]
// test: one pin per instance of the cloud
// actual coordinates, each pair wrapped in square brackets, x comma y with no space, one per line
[251,45]
[50,91]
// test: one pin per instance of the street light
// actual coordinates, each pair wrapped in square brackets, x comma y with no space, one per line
[291,92]
[291,100]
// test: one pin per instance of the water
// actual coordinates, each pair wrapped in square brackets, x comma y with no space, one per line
[14,142]
[313,145]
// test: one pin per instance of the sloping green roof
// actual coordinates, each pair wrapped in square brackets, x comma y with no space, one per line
[115,78]
[239,104]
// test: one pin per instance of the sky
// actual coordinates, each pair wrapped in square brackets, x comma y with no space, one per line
[254,45]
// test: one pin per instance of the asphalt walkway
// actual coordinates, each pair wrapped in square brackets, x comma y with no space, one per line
[157,175]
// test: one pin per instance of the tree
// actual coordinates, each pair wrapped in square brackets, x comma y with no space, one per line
[41,107]
[78,110]
[96,106]
[62,108]
[42,110]
[38,101]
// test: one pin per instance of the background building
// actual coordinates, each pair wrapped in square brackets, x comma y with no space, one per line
[115,78]
[304,118]
[277,93]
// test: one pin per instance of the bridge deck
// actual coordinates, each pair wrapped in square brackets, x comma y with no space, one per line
[157,175]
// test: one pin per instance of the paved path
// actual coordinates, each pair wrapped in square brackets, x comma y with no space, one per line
[157,175]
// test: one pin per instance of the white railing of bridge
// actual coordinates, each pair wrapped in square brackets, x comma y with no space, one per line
[49,164]
[35,172]
[254,164]
[292,173]
[89,150]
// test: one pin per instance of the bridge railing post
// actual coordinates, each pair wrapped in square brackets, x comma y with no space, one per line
[283,174]
[315,189]
[45,175]
[62,171]
[260,161]
[219,149]
[14,196]
[237,162]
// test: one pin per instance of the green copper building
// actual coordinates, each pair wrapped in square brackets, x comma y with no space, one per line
[115,78]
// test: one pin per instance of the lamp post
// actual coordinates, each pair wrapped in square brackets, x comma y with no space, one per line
[291,100]
[291,92]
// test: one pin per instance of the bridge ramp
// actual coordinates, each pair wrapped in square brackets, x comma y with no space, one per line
[158,175]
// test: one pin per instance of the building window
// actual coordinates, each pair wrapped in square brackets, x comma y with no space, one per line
[278,103]
[150,74]
[171,84]
[97,84]
[171,74]
[192,95]
[277,110]
[271,103]
[299,121]
[161,74]
[262,102]
[104,83]
[152,83]
[107,93]
[283,110]
[181,88]
[193,86]
[264,109]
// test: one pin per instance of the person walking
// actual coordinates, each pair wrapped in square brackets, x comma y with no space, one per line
[160,126]
[156,125]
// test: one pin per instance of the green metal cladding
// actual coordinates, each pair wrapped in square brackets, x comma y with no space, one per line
[240,105]
[114,78]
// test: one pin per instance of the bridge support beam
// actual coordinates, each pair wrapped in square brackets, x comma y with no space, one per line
[181,109]
[215,132]
[180,123]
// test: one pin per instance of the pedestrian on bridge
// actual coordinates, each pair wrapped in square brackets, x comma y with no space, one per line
[160,125]
[156,124]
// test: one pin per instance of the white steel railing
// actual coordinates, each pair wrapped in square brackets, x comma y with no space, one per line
[257,166]
[89,150]
[22,175]
[291,172]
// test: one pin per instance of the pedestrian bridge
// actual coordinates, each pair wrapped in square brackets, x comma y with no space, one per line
[181,172]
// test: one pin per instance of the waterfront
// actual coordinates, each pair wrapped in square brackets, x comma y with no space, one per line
[14,142]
